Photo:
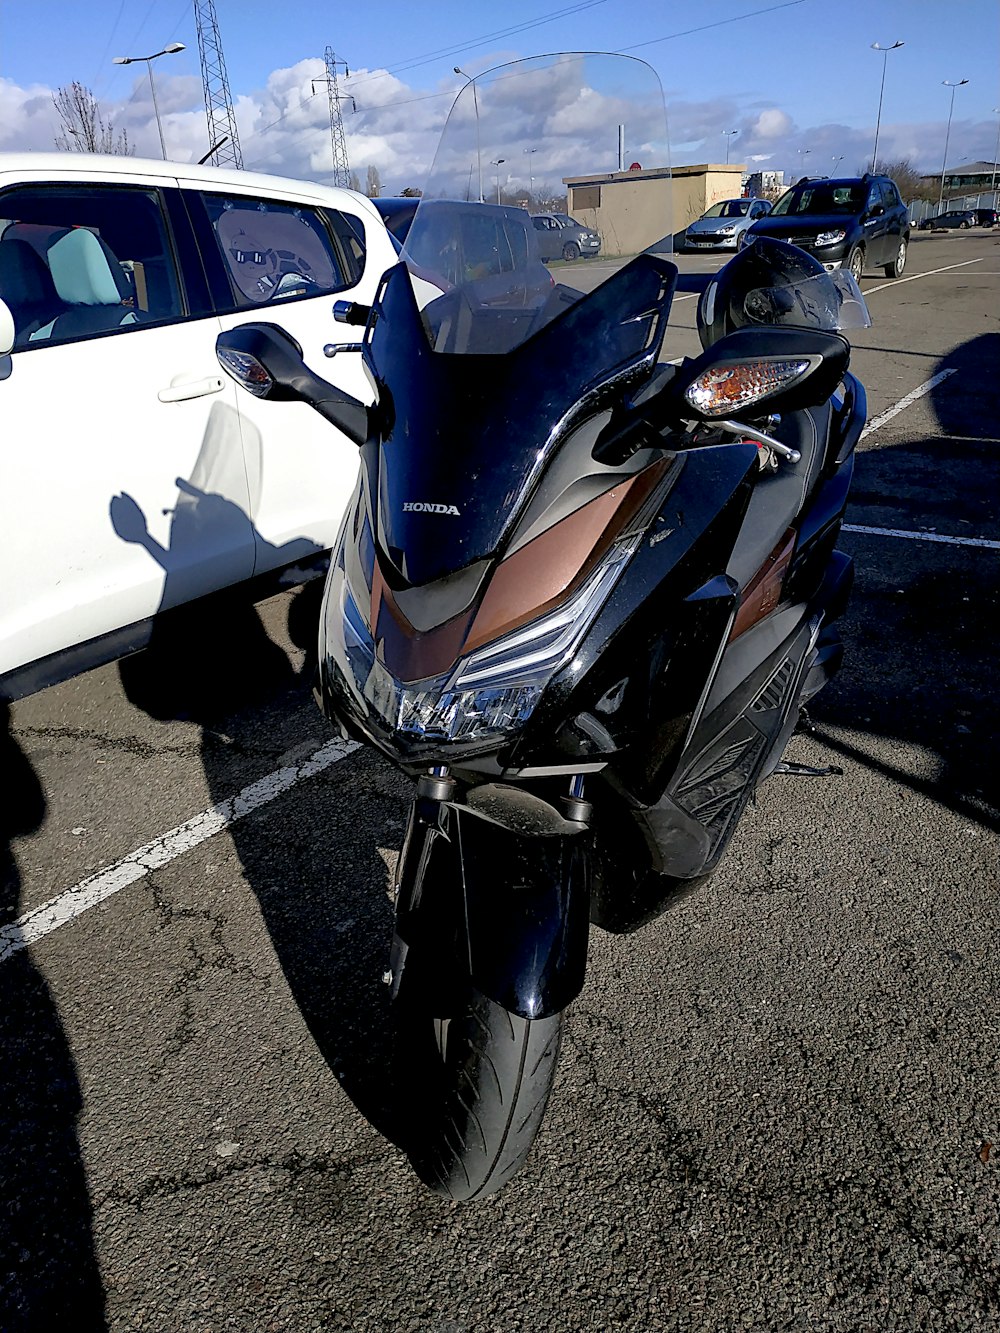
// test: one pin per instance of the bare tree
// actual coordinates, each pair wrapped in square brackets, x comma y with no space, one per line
[355,182]
[908,179]
[84,129]
[373,186]
[411,192]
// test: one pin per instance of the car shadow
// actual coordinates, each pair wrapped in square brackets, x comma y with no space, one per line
[311,857]
[49,1277]
[920,666]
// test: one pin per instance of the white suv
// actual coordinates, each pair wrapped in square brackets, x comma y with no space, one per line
[136,477]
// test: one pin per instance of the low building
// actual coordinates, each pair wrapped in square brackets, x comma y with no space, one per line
[968,178]
[634,210]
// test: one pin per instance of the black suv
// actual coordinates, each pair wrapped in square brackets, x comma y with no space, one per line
[857,222]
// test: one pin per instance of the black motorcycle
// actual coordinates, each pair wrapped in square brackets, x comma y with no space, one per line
[580,595]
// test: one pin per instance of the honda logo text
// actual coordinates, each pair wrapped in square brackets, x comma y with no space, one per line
[416,507]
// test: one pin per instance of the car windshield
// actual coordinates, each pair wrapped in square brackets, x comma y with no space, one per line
[821,197]
[728,208]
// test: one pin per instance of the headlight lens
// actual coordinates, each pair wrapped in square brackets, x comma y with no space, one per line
[830,237]
[727,231]
[491,693]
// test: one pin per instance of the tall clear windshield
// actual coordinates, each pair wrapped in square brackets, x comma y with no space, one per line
[581,135]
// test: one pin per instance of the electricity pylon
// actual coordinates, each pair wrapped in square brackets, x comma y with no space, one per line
[223,137]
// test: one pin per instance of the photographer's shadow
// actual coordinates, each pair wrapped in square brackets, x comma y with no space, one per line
[49,1278]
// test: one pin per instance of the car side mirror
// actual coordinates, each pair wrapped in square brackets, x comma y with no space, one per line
[7,331]
[267,362]
[755,371]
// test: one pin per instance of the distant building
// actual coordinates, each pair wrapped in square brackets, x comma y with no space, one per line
[758,183]
[968,178]
[635,210]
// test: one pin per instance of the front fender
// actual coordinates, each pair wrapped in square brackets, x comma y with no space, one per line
[495,891]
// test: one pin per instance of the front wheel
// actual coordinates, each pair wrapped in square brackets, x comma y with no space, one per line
[963,226]
[856,263]
[473,1089]
[895,269]
[571,251]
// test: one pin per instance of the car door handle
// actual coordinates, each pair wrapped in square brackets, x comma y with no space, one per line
[182,389]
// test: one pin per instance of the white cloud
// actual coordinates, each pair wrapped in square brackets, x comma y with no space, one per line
[772,124]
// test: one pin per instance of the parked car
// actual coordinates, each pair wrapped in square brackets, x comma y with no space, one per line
[720,227]
[854,222]
[561,237]
[955,217]
[396,211]
[135,477]
[986,217]
[490,252]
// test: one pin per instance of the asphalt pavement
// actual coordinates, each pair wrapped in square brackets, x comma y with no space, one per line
[778,1107]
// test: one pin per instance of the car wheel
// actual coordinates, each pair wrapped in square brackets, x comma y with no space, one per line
[571,251]
[856,263]
[963,225]
[895,269]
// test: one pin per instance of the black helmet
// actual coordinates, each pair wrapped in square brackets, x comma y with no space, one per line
[771,282]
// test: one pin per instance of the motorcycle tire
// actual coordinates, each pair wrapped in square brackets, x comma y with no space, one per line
[473,1090]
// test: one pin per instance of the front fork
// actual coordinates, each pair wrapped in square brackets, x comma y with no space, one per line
[494,890]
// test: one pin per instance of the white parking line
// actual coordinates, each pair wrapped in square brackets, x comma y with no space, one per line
[911,397]
[96,888]
[981,542]
[898,282]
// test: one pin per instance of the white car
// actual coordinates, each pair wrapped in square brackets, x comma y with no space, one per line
[135,475]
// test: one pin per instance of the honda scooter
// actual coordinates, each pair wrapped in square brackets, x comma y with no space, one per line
[581,595]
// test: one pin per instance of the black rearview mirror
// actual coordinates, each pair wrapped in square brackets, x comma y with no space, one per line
[267,362]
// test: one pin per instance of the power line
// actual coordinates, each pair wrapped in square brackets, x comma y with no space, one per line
[704,27]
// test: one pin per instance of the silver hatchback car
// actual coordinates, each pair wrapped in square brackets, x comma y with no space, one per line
[719,227]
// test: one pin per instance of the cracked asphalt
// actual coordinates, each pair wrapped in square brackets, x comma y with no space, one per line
[778,1107]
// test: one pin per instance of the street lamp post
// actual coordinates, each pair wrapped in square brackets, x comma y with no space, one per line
[803,154]
[475,103]
[837,159]
[170,50]
[531,174]
[729,138]
[498,162]
[878,119]
[945,83]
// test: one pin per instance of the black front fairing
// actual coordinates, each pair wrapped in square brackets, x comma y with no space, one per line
[465,436]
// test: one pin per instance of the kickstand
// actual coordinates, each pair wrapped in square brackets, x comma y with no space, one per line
[807,771]
[805,725]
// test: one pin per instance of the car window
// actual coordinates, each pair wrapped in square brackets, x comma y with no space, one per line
[890,194]
[490,248]
[275,251]
[821,197]
[728,208]
[81,261]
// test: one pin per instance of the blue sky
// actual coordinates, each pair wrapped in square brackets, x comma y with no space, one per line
[790,77]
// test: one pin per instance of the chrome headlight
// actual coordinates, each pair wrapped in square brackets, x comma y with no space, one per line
[830,237]
[492,692]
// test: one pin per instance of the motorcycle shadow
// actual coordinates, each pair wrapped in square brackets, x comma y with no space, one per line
[317,857]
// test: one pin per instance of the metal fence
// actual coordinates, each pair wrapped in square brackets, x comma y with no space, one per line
[927,208]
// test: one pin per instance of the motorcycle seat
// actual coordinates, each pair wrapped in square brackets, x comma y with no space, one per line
[778,499]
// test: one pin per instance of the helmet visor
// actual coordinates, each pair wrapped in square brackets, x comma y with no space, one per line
[831,301]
